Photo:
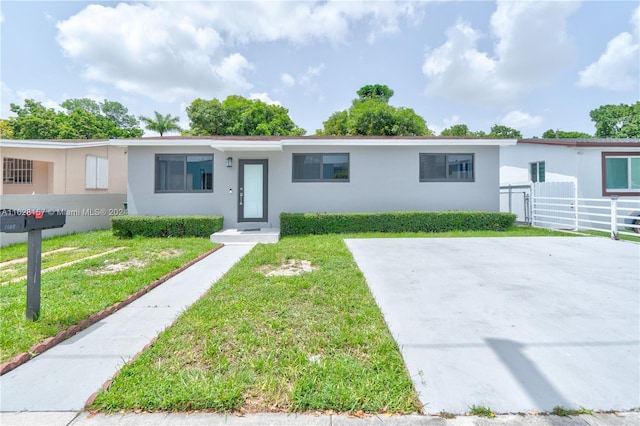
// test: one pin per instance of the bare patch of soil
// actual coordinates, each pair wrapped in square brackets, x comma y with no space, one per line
[289,268]
[113,268]
[165,254]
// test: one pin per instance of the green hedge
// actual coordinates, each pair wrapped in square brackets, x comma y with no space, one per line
[336,223]
[165,226]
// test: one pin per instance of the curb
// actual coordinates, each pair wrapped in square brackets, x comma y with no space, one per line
[50,342]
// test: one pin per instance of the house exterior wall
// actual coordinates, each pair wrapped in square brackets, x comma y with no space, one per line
[62,171]
[382,178]
[579,164]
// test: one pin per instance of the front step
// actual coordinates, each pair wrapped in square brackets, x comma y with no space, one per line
[255,235]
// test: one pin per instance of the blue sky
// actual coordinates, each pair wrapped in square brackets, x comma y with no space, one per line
[531,65]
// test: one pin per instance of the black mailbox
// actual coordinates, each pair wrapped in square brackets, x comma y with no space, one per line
[32,221]
[25,220]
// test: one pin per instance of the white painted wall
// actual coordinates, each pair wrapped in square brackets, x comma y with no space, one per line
[85,212]
[381,179]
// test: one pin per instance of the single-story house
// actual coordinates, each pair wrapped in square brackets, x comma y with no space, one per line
[600,168]
[62,167]
[88,179]
[251,180]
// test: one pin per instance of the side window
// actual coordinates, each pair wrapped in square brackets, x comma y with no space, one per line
[537,173]
[96,173]
[621,173]
[321,167]
[446,167]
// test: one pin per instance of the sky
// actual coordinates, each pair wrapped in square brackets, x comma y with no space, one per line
[530,65]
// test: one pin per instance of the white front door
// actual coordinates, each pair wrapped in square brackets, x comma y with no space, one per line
[252,194]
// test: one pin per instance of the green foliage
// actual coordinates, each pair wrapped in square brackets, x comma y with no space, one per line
[375,91]
[240,116]
[83,119]
[431,221]
[165,226]
[617,121]
[457,130]
[504,132]
[566,412]
[371,115]
[6,129]
[161,123]
[561,134]
[480,411]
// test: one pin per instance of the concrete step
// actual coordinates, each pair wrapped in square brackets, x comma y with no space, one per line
[253,235]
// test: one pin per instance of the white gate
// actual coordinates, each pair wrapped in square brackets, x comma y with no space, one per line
[555,205]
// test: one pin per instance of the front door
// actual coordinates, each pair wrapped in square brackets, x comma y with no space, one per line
[252,194]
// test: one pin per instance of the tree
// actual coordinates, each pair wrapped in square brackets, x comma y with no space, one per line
[237,115]
[456,130]
[504,132]
[617,121]
[561,134]
[370,114]
[6,129]
[375,91]
[162,123]
[34,121]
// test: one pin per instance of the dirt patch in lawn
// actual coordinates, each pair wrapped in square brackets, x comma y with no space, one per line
[113,268]
[289,268]
[165,254]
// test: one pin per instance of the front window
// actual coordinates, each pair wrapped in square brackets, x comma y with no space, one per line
[621,174]
[537,171]
[18,171]
[446,168]
[320,167]
[96,173]
[184,173]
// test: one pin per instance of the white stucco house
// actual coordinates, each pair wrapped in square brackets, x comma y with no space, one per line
[600,168]
[251,180]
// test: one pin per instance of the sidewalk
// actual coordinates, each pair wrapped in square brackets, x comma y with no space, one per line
[64,377]
[197,419]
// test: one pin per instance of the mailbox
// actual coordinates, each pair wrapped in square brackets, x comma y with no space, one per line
[25,220]
[32,221]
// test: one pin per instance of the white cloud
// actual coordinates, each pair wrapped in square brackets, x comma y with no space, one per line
[521,120]
[10,96]
[264,97]
[531,47]
[172,51]
[310,74]
[618,67]
[288,80]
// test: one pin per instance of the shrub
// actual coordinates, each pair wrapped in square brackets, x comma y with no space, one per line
[165,226]
[336,223]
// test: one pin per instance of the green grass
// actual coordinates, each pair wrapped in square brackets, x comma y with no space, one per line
[513,231]
[480,411]
[315,341]
[566,412]
[72,293]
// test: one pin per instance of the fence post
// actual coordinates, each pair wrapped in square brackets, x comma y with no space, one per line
[510,194]
[614,217]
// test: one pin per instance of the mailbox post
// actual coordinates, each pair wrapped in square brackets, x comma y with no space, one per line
[32,221]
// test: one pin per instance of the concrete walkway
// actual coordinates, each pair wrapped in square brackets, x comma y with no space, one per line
[63,378]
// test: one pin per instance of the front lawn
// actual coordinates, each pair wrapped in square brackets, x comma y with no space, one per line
[263,342]
[74,292]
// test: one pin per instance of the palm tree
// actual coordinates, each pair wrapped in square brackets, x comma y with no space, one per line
[162,123]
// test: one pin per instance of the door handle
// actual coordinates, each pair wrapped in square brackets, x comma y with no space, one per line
[241,196]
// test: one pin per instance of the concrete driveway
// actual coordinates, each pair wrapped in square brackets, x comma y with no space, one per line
[514,324]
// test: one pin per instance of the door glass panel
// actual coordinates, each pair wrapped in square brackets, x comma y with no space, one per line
[252,203]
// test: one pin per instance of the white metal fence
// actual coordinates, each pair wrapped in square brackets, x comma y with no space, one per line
[555,205]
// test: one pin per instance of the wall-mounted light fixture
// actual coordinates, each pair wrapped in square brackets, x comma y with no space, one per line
[229,161]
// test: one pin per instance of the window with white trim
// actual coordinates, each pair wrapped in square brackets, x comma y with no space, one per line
[17,171]
[446,168]
[537,171]
[184,173]
[321,167]
[621,174]
[96,173]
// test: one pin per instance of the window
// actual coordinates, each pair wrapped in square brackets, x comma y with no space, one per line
[446,168]
[96,173]
[621,173]
[537,171]
[321,167]
[17,171]
[184,173]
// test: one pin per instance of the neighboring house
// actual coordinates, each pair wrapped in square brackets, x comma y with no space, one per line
[86,178]
[62,167]
[251,180]
[599,167]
